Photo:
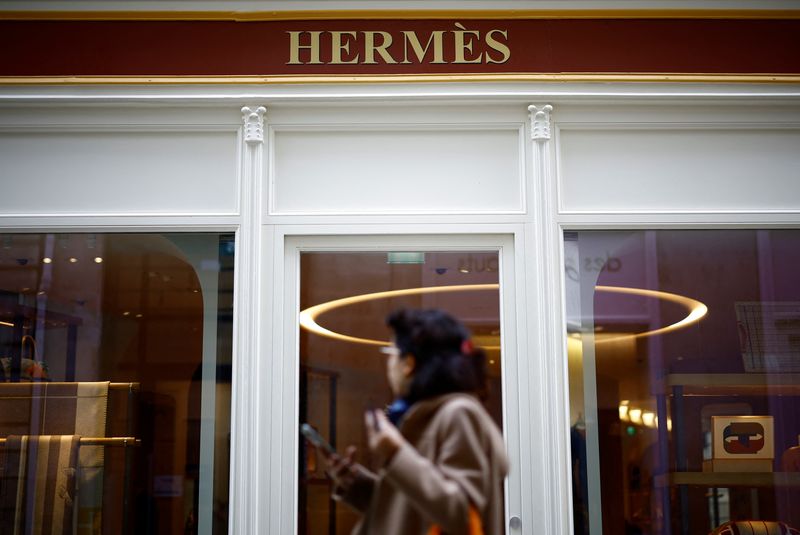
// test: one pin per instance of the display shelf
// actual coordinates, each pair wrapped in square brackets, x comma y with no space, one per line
[729,479]
[731,384]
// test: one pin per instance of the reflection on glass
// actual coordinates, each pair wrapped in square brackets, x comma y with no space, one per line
[684,410]
[342,370]
[115,371]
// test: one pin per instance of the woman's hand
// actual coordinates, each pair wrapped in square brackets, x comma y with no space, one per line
[383,437]
[342,469]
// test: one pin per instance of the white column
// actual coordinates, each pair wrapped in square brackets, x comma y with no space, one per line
[248,449]
[550,507]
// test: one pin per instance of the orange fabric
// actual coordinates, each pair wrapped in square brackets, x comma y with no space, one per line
[475,525]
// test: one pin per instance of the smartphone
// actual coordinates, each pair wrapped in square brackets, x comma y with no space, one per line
[315,438]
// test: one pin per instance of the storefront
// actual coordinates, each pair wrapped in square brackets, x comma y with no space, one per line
[205,217]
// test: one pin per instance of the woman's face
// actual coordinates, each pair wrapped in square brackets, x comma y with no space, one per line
[399,370]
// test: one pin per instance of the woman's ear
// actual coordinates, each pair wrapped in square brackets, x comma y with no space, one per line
[409,365]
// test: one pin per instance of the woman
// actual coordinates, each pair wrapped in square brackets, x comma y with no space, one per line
[442,459]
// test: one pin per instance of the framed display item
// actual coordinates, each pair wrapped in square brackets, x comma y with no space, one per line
[743,437]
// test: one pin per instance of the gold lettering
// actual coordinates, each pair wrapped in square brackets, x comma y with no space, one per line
[496,45]
[463,44]
[370,48]
[295,47]
[436,38]
[337,45]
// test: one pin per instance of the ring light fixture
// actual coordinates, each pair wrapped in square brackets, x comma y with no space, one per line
[695,308]
[308,317]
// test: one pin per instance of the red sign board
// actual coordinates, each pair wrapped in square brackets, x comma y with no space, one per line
[358,47]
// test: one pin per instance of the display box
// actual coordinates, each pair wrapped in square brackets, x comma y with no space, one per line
[743,437]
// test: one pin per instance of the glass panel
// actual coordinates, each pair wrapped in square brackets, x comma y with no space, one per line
[115,382]
[339,378]
[684,376]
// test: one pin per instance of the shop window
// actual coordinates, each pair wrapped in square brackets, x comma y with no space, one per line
[684,380]
[115,382]
[340,377]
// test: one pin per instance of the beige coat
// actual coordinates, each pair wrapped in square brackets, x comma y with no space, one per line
[454,457]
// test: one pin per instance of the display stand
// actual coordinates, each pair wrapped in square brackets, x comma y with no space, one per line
[680,386]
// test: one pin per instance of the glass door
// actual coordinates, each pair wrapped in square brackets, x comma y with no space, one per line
[343,290]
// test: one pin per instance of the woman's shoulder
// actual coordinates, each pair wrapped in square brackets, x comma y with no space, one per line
[463,415]
[464,409]
[460,402]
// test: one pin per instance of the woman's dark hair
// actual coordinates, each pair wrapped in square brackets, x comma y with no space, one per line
[446,362]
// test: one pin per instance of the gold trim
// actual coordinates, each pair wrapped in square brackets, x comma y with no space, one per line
[397,14]
[405,78]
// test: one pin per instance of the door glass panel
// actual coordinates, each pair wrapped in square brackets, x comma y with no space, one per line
[684,378]
[341,377]
[115,382]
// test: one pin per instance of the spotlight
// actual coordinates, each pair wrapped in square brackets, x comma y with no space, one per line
[636,415]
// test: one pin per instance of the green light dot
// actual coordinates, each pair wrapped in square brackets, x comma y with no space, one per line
[630,430]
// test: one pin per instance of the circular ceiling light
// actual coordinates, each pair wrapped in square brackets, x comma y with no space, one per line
[696,310]
[308,317]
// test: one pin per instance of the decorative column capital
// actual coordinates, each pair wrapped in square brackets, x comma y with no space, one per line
[253,119]
[540,121]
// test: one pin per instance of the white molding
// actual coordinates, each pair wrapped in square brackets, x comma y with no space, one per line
[667,125]
[337,94]
[247,418]
[253,119]
[540,121]
[385,126]
[656,220]
[118,222]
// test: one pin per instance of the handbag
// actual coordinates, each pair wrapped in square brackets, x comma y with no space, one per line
[475,524]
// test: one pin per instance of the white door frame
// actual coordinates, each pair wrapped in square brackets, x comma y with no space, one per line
[282,359]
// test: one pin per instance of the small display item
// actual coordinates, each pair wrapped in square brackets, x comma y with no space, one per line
[743,437]
[790,460]
[754,527]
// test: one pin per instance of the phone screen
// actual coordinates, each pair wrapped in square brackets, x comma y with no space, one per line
[315,438]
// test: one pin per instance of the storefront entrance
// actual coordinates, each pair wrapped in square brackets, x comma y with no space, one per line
[339,291]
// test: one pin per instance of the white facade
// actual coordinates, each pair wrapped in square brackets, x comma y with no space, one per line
[495,166]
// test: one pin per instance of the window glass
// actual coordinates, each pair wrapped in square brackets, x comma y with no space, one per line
[340,378]
[684,378]
[115,382]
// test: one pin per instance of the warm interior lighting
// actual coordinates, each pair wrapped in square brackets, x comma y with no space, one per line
[649,419]
[6,324]
[72,260]
[308,317]
[47,260]
[623,410]
[696,310]
[98,260]
[636,415]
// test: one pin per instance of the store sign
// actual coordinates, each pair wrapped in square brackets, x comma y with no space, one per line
[511,47]
[457,45]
